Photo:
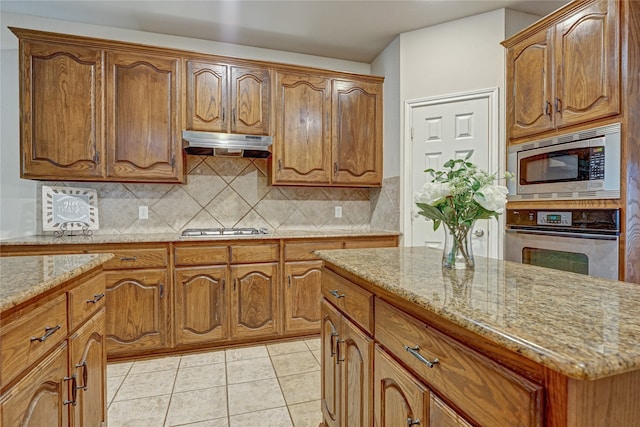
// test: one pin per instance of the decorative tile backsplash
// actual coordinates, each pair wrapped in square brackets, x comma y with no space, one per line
[225,192]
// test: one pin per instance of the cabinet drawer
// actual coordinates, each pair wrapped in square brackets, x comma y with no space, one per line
[201,255]
[300,251]
[486,391]
[262,252]
[32,335]
[136,258]
[382,242]
[355,302]
[86,299]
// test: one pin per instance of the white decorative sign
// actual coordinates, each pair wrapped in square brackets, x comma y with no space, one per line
[69,208]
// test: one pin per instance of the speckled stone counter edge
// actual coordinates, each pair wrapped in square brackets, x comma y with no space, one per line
[25,289]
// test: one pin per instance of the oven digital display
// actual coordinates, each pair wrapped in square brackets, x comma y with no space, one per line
[553,218]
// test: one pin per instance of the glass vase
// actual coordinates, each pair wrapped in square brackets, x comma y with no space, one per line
[458,251]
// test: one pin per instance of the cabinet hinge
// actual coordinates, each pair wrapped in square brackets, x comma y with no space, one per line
[161,290]
[173,160]
[96,157]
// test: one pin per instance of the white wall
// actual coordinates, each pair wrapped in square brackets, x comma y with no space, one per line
[387,64]
[18,196]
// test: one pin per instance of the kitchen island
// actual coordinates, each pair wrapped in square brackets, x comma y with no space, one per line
[52,358]
[506,344]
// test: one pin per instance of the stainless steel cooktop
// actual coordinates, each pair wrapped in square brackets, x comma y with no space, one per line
[222,232]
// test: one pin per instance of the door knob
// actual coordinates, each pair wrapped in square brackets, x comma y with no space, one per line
[478,233]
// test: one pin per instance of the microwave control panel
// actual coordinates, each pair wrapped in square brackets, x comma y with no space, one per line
[554,218]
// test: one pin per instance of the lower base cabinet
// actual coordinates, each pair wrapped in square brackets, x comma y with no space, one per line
[42,397]
[254,304]
[201,304]
[302,296]
[347,383]
[137,311]
[402,400]
[88,364]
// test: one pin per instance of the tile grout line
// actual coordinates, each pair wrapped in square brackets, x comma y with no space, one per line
[173,387]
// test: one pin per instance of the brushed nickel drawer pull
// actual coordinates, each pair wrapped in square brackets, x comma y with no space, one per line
[48,331]
[336,294]
[128,258]
[96,298]
[413,422]
[414,351]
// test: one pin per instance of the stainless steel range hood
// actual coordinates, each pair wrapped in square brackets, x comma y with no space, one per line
[226,144]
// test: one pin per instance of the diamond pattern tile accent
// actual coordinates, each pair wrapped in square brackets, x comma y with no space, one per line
[228,207]
[177,207]
[230,192]
[203,184]
[251,184]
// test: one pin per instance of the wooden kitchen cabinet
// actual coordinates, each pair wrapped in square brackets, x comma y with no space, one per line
[137,311]
[143,131]
[88,364]
[61,104]
[52,357]
[254,302]
[347,382]
[400,399]
[356,125]
[201,304]
[302,147]
[564,72]
[302,296]
[42,397]
[227,98]
[328,131]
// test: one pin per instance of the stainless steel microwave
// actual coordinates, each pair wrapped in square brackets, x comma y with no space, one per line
[583,165]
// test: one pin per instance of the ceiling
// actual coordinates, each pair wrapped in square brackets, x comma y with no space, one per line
[355,30]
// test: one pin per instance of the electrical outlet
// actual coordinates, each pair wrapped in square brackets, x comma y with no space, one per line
[338,213]
[143,212]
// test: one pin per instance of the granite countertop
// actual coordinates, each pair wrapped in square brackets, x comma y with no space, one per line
[24,277]
[175,237]
[580,326]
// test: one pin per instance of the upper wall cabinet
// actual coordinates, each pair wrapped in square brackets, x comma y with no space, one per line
[328,131]
[143,117]
[222,98]
[357,133]
[60,111]
[566,72]
[94,110]
[302,150]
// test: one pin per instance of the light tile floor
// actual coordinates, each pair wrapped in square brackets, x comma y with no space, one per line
[269,385]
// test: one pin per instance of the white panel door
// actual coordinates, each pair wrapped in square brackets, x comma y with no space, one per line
[443,131]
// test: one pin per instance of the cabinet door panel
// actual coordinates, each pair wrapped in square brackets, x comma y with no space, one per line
[441,415]
[355,355]
[330,400]
[143,132]
[302,147]
[88,363]
[530,74]
[302,296]
[254,304]
[201,304]
[39,398]
[357,133]
[399,397]
[207,97]
[61,103]
[250,95]
[588,64]
[136,311]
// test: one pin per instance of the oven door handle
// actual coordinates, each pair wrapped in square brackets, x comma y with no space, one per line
[562,234]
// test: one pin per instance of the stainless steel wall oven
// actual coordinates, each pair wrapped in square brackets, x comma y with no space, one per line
[579,240]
